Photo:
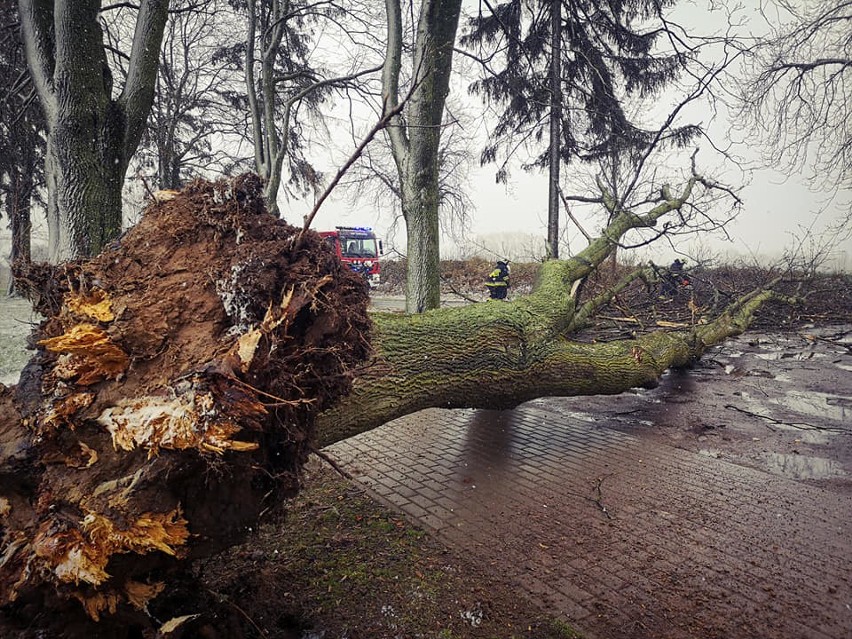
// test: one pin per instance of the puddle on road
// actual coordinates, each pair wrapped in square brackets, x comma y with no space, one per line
[816,404]
[803,466]
[796,356]
[563,409]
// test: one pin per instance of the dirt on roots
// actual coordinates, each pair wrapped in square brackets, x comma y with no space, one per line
[170,403]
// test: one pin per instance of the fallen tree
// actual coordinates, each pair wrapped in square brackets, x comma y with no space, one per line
[498,354]
[183,375]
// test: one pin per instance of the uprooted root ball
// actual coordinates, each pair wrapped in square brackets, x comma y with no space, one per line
[171,399]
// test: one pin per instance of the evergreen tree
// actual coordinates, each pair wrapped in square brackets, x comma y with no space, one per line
[609,56]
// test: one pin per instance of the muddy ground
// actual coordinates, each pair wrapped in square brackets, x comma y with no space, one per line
[779,402]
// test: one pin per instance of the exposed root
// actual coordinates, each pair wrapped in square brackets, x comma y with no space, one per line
[171,401]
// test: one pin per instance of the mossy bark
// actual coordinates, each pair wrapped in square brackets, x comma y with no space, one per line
[498,354]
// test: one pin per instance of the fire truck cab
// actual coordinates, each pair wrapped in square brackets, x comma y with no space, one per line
[358,247]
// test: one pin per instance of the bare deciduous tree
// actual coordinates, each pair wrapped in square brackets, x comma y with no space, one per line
[800,87]
[284,86]
[192,118]
[93,128]
[415,136]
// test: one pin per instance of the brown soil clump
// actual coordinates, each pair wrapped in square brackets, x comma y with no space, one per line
[171,402]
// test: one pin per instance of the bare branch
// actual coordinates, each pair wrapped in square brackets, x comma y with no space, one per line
[386,118]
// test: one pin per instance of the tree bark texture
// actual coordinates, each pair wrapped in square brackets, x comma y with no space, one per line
[19,200]
[91,135]
[498,354]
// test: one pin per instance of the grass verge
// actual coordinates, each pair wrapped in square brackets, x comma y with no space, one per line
[341,565]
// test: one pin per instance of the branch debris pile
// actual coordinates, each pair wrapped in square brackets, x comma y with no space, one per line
[171,399]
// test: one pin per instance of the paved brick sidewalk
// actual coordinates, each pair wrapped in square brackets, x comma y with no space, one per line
[619,533]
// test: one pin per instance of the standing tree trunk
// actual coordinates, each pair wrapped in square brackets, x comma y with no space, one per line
[269,148]
[280,82]
[91,136]
[555,158]
[416,137]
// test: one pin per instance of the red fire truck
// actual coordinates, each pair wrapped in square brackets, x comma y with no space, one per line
[358,247]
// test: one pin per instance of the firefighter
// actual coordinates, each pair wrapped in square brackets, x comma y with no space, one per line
[674,278]
[498,281]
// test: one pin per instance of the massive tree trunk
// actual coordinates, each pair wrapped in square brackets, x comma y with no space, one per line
[91,135]
[416,136]
[270,148]
[498,354]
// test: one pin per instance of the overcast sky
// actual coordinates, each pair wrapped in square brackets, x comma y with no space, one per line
[777,209]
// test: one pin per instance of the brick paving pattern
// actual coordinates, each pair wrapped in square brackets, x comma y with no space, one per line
[618,534]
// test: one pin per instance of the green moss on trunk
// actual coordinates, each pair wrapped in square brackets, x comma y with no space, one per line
[498,355]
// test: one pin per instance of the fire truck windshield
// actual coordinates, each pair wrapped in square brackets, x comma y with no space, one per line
[358,246]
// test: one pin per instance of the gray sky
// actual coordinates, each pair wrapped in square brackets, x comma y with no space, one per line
[777,211]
